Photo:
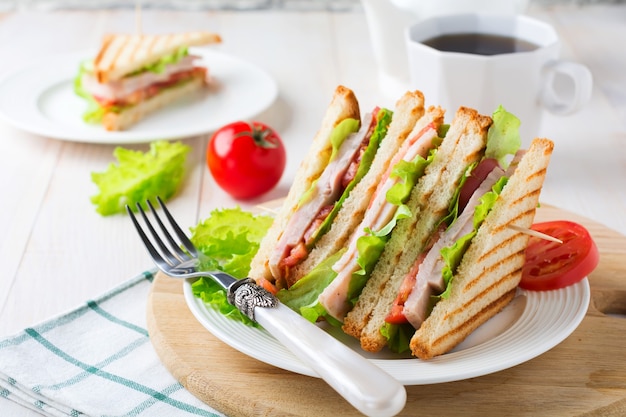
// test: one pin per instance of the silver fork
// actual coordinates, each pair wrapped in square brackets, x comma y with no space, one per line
[368,388]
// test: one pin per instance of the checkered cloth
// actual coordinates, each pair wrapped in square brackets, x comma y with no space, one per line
[96,360]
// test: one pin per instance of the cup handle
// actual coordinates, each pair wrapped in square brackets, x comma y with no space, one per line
[581,80]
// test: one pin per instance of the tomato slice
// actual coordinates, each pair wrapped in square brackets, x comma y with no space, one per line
[267,285]
[553,265]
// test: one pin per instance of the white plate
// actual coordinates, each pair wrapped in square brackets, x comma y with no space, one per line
[40,99]
[533,323]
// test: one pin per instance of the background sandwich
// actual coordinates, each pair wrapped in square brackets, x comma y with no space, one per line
[135,75]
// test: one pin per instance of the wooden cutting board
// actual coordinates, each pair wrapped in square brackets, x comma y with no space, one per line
[585,375]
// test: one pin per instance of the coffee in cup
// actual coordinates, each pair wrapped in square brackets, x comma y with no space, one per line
[484,60]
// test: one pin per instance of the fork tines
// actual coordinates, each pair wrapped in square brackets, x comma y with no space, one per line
[169,254]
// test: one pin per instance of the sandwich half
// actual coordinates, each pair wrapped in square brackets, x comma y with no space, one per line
[462,146]
[327,198]
[490,270]
[132,76]
[463,259]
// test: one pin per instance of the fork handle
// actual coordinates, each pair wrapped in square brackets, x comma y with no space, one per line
[368,388]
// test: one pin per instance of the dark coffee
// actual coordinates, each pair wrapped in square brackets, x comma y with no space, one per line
[479,44]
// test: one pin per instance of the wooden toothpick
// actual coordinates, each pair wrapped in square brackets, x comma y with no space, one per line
[138,22]
[534,233]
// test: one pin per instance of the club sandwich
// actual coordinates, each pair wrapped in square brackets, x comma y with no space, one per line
[133,76]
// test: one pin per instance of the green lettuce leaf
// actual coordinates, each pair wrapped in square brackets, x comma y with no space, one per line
[228,239]
[408,173]
[94,111]
[302,296]
[159,66]
[369,249]
[140,176]
[503,138]
[398,336]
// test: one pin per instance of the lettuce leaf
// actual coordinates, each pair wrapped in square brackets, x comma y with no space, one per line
[95,111]
[140,176]
[369,248]
[408,173]
[228,239]
[159,66]
[398,336]
[302,296]
[503,138]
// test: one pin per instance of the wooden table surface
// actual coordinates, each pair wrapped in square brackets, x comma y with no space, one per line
[57,252]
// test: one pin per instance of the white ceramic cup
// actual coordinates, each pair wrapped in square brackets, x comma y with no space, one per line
[525,83]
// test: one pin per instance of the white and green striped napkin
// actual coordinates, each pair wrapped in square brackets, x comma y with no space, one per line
[95,361]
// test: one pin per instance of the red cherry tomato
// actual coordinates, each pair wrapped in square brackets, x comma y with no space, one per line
[553,265]
[246,159]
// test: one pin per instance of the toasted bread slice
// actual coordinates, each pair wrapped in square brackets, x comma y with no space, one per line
[343,105]
[429,201]
[120,55]
[127,117]
[409,109]
[491,269]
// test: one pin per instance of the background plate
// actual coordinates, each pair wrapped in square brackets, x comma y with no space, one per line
[47,105]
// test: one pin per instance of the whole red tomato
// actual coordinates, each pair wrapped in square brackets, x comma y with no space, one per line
[246,159]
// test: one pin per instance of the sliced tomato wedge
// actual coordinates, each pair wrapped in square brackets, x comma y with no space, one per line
[552,265]
[267,285]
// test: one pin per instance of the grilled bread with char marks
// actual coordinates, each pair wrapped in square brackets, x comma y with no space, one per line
[491,269]
[120,54]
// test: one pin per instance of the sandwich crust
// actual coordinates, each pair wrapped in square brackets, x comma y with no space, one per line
[343,105]
[121,54]
[429,203]
[491,269]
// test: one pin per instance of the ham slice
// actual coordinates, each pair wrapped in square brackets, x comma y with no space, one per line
[118,90]
[327,190]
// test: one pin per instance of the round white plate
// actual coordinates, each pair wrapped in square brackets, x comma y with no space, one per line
[533,323]
[40,99]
